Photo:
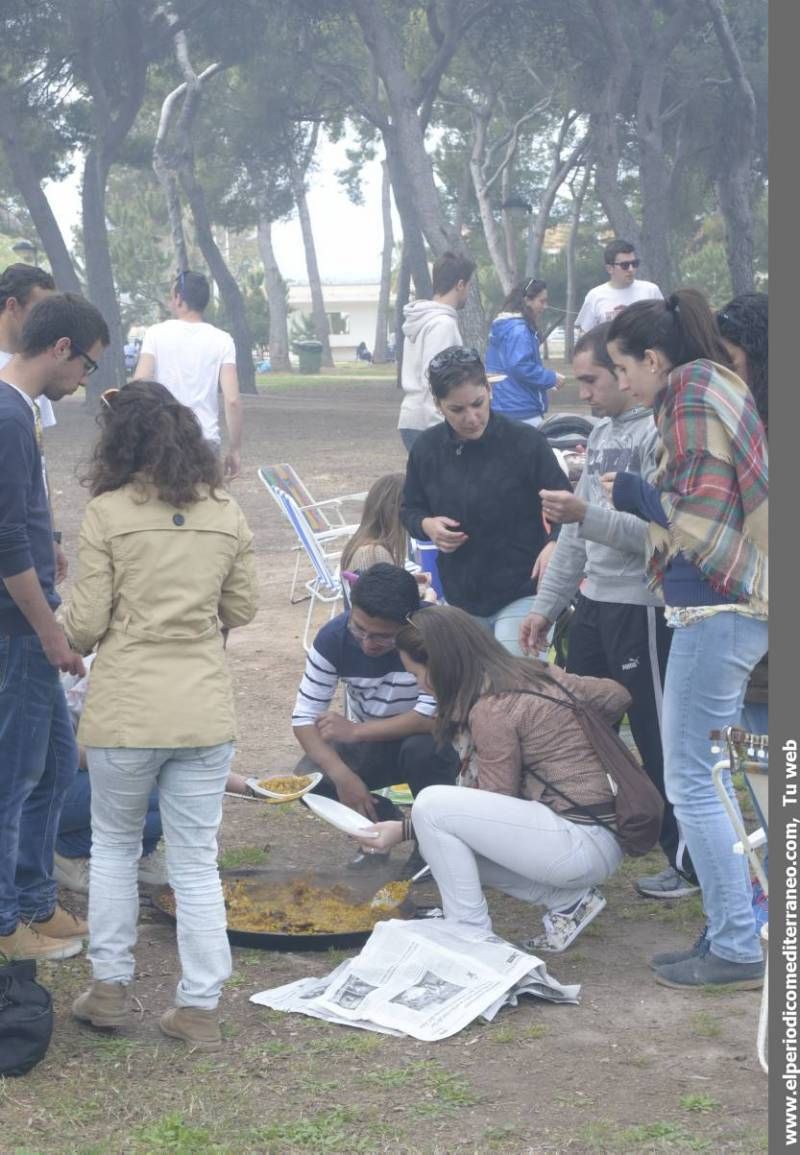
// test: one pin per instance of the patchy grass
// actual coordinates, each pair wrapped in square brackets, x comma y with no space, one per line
[705,1026]
[700,1103]
[243,856]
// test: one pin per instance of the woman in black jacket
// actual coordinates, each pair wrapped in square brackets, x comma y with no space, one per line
[472,488]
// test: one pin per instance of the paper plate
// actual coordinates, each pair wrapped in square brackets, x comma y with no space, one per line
[342,817]
[278,796]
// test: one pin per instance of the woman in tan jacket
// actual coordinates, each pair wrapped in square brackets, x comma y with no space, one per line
[165,562]
[522,754]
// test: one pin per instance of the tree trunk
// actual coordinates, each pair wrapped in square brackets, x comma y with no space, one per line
[403,99]
[100,275]
[314,282]
[30,189]
[735,181]
[232,300]
[560,169]
[413,241]
[401,300]
[572,244]
[165,174]
[509,228]
[276,296]
[494,240]
[379,349]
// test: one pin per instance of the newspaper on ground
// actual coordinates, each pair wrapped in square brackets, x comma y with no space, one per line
[423,978]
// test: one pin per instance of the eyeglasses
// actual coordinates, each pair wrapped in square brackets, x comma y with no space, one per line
[363,635]
[455,355]
[90,364]
[627,264]
[108,396]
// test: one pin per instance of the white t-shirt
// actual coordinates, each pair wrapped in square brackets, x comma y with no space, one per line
[189,356]
[46,414]
[604,302]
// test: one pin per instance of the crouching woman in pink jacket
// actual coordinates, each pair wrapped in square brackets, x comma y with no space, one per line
[165,562]
[536,822]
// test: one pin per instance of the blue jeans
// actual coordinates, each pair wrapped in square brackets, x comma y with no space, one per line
[38,759]
[506,622]
[191,782]
[75,828]
[707,672]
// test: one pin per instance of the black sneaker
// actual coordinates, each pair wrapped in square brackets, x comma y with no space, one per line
[670,883]
[709,970]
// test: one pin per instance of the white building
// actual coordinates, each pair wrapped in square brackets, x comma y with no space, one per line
[352,311]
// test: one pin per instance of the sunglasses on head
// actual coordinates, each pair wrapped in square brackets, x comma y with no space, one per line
[457,355]
[109,396]
[634,264]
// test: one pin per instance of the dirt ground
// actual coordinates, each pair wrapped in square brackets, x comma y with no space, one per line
[634,1068]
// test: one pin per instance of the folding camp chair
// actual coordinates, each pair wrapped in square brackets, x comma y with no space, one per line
[748,753]
[325,519]
[325,587]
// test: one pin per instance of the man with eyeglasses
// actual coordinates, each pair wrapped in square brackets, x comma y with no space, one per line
[388,736]
[60,342]
[620,290]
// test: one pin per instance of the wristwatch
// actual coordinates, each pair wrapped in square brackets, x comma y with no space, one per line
[57,536]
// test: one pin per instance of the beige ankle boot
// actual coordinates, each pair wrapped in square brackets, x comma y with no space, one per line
[103,1005]
[196,1026]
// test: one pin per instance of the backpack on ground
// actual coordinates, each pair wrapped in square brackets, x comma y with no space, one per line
[26,1018]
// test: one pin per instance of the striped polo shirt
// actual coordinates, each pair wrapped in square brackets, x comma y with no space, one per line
[377,687]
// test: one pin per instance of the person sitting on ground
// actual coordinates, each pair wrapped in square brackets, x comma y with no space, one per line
[381,535]
[520,382]
[618,628]
[388,738]
[513,831]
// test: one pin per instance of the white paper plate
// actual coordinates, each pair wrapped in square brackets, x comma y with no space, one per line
[280,796]
[342,817]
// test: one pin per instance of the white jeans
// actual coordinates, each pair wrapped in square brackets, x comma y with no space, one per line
[191,784]
[474,838]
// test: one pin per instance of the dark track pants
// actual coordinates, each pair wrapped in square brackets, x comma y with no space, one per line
[631,644]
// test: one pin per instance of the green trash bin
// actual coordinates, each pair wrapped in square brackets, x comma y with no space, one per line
[309,354]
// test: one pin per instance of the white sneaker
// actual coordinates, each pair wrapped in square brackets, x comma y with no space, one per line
[153,867]
[562,927]
[72,873]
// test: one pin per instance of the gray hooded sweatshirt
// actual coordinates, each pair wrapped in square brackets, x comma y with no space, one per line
[428,328]
[609,547]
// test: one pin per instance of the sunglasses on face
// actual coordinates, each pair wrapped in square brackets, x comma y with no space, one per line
[458,355]
[90,364]
[634,264]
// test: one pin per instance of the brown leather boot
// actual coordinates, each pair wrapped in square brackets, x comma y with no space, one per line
[103,1005]
[197,1027]
[62,923]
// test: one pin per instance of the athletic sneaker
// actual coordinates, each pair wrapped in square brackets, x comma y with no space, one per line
[153,867]
[562,927]
[72,873]
[670,883]
[709,970]
[700,946]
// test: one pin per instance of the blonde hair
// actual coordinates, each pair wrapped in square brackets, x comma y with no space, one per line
[380,522]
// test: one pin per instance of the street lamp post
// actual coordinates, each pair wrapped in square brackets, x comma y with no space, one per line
[27,250]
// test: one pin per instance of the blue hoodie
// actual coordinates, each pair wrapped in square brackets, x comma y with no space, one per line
[514,364]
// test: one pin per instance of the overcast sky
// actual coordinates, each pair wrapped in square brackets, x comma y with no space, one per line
[349,238]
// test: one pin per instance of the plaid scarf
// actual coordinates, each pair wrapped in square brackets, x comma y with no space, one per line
[713,482]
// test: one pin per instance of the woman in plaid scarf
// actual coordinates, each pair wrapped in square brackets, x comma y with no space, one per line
[708,556]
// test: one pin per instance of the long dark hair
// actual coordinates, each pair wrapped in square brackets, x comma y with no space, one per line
[745,322]
[682,328]
[464,662]
[146,436]
[524,291]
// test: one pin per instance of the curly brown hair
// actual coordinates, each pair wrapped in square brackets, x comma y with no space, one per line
[147,437]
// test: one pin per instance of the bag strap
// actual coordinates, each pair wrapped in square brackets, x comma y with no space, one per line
[577,708]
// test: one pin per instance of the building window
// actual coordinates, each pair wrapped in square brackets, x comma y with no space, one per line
[339,323]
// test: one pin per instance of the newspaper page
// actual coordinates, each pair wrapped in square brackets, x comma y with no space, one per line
[423,978]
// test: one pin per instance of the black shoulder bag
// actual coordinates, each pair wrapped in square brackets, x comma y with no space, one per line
[26,1018]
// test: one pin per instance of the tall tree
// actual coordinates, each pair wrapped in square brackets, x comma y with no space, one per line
[298,168]
[379,349]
